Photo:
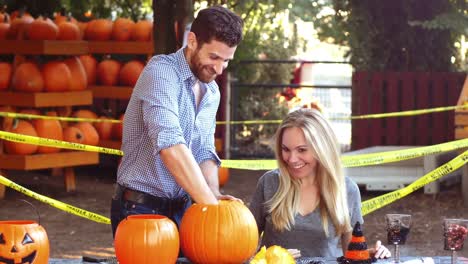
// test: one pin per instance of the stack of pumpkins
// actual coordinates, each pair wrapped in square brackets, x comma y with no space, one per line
[77,132]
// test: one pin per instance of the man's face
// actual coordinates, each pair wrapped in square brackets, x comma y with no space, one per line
[210,59]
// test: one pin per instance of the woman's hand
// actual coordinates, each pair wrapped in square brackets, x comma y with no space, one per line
[380,251]
[296,253]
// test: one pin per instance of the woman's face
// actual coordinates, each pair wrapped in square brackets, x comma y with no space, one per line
[297,154]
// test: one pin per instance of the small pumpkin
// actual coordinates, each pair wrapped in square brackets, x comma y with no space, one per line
[84,113]
[73,134]
[108,72]
[224,225]
[25,128]
[130,72]
[57,76]
[27,77]
[104,129]
[91,136]
[68,31]
[99,29]
[23,241]
[146,239]
[142,31]
[48,128]
[90,65]
[78,80]
[18,26]
[6,70]
[273,255]
[122,29]
[42,29]
[223,176]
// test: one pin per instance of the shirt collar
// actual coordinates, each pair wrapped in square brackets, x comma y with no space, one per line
[184,67]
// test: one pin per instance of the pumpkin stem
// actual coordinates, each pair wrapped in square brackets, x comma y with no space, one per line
[35,209]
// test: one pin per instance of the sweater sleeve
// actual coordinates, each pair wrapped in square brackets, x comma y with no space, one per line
[257,204]
[354,202]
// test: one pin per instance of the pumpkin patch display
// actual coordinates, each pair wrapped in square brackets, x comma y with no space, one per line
[23,241]
[222,233]
[146,239]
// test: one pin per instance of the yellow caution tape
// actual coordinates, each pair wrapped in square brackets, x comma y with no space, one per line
[358,160]
[57,204]
[60,118]
[378,202]
[409,113]
[56,143]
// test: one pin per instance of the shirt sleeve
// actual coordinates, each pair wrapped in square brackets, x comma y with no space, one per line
[257,204]
[354,202]
[159,90]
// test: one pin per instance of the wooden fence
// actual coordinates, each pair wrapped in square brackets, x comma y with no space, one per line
[384,92]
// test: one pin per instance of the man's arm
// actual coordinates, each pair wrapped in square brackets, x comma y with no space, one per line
[182,165]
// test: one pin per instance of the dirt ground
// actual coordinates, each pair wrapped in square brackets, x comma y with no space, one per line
[72,237]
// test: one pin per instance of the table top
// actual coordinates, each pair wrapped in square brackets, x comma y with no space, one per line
[406,260]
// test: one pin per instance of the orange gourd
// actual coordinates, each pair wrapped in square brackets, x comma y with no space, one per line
[223,176]
[4,26]
[57,76]
[6,71]
[25,241]
[90,66]
[99,29]
[104,129]
[68,31]
[143,31]
[130,72]
[108,72]
[85,113]
[48,129]
[122,29]
[42,29]
[117,129]
[229,233]
[25,128]
[91,136]
[18,26]
[79,80]
[146,239]
[73,134]
[27,78]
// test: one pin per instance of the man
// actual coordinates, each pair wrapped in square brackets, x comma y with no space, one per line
[168,136]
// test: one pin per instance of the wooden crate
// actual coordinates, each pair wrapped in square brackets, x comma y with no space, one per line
[112,92]
[120,47]
[46,99]
[43,47]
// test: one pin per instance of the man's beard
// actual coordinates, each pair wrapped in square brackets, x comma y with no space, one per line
[201,71]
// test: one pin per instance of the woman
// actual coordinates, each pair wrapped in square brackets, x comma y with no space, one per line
[307,205]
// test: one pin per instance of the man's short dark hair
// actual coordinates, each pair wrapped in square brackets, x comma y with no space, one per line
[218,23]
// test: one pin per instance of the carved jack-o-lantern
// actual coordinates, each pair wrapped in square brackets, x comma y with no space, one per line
[23,241]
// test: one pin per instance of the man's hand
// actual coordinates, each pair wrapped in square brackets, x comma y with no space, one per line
[220,196]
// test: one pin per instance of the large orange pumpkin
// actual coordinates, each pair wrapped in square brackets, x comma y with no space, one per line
[23,241]
[79,80]
[27,78]
[57,76]
[25,128]
[229,233]
[5,75]
[130,72]
[68,31]
[146,239]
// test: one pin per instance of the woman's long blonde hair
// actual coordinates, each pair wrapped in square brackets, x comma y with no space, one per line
[283,206]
